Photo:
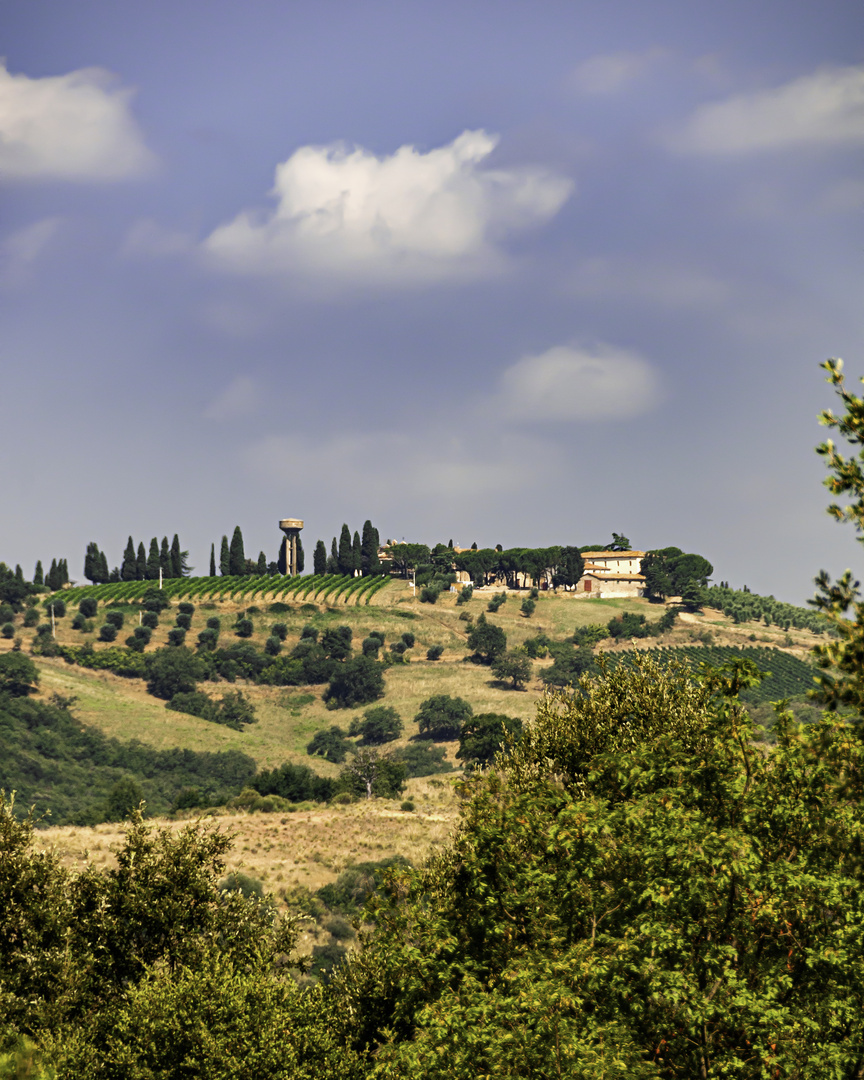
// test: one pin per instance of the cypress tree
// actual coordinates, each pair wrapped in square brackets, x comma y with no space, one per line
[212,560]
[301,558]
[333,559]
[236,556]
[129,569]
[51,580]
[281,561]
[176,558]
[153,561]
[319,558]
[345,557]
[38,574]
[224,558]
[63,568]
[355,554]
[262,563]
[165,558]
[369,543]
[141,563]
[91,562]
[104,572]
[19,573]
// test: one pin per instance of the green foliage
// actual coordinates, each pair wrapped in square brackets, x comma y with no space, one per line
[429,594]
[497,600]
[114,618]
[358,681]
[150,619]
[244,628]
[484,736]
[332,744]
[296,783]
[434,652]
[528,607]
[19,676]
[373,774]
[422,759]
[569,664]
[514,667]
[172,671]
[465,594]
[88,607]
[379,725]
[487,641]
[107,632]
[536,647]
[441,717]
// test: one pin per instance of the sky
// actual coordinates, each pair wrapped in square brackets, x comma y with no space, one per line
[493,272]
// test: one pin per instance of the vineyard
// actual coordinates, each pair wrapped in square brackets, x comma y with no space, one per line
[789,676]
[330,588]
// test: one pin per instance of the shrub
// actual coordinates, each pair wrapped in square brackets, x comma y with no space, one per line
[487,641]
[183,621]
[513,667]
[370,647]
[483,736]
[379,725]
[177,636]
[569,666]
[536,647]
[409,639]
[214,623]
[135,644]
[31,617]
[422,759]
[249,887]
[207,639]
[108,632]
[308,633]
[435,652]
[332,744]
[497,600]
[336,643]
[150,619]
[282,672]
[193,703]
[407,806]
[278,608]
[339,928]
[528,607]
[143,632]
[19,676]
[465,594]
[272,646]
[398,648]
[356,682]
[235,710]
[88,607]
[154,599]
[114,618]
[279,630]
[172,671]
[186,608]
[243,628]
[8,630]
[429,594]
[441,716]
[7,613]
[59,608]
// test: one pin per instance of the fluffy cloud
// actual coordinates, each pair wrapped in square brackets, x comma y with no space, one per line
[410,217]
[239,398]
[568,383]
[68,127]
[822,109]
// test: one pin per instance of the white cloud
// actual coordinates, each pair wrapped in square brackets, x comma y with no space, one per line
[659,282]
[410,217]
[825,108]
[68,127]
[569,383]
[20,251]
[608,73]
[239,398]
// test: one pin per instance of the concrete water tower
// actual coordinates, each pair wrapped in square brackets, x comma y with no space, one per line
[291,527]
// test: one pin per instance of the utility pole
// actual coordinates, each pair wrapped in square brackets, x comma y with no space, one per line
[53,625]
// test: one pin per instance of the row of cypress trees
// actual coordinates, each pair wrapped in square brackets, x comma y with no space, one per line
[138,564]
[357,555]
[233,561]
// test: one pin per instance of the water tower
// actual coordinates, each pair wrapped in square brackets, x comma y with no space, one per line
[291,527]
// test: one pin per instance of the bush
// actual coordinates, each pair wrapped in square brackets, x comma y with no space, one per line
[183,621]
[379,725]
[278,608]
[31,617]
[177,636]
[108,632]
[370,647]
[186,608]
[279,630]
[589,635]
[282,672]
[7,613]
[150,619]
[214,623]
[172,671]
[59,608]
[235,710]
[429,594]
[114,618]
[296,783]
[134,643]
[340,928]
[497,600]
[336,643]
[487,641]
[528,607]
[435,652]
[422,759]
[409,639]
[483,736]
[207,639]
[536,647]
[248,887]
[193,703]
[154,599]
[243,628]
[332,744]
[407,806]
[308,633]
[441,717]
[144,633]
[8,630]
[19,676]
[88,607]
[356,682]
[272,646]
[514,667]
[465,594]
[569,666]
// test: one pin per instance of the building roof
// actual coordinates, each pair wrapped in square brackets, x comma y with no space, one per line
[612,575]
[613,555]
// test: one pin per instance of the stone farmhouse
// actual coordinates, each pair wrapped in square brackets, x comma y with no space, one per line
[612,574]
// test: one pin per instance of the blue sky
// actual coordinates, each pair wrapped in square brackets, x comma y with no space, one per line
[497,272]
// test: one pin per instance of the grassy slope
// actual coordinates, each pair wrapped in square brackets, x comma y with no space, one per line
[310,847]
